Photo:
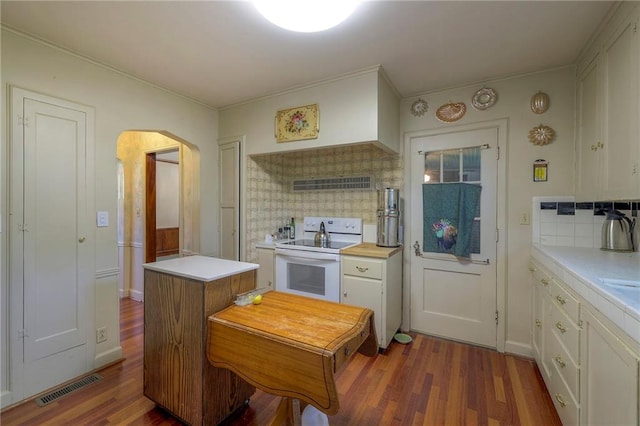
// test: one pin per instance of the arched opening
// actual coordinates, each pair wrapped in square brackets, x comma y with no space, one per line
[133,151]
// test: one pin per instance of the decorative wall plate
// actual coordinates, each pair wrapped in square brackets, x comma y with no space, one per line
[448,113]
[419,107]
[539,102]
[484,98]
[541,135]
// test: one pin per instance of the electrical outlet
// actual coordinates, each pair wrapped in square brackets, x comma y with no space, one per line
[524,218]
[101,334]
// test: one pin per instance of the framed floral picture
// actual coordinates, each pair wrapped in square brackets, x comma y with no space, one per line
[296,124]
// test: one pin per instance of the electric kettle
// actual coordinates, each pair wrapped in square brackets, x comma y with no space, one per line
[322,238]
[617,232]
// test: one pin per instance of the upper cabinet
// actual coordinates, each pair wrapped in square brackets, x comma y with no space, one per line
[362,107]
[608,121]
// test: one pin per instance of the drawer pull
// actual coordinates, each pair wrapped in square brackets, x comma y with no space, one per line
[538,323]
[545,282]
[560,400]
[560,362]
[347,351]
[532,268]
[560,327]
[362,268]
[561,299]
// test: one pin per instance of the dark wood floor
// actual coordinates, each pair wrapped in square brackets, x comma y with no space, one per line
[428,382]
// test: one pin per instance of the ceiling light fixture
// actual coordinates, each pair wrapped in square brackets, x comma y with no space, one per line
[306,16]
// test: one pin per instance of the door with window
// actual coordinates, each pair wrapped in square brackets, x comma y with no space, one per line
[455,297]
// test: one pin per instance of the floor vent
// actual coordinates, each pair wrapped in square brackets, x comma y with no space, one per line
[66,390]
[323,184]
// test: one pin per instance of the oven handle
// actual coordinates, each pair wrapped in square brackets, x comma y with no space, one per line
[313,255]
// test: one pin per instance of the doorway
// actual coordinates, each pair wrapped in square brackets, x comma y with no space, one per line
[133,150]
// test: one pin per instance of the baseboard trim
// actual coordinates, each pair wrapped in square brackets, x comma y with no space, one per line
[136,295]
[109,357]
[518,348]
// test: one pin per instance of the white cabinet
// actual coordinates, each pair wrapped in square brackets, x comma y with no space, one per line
[556,334]
[375,283]
[266,271]
[608,126]
[609,387]
[592,376]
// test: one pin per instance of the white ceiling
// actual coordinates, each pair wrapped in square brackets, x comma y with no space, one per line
[222,52]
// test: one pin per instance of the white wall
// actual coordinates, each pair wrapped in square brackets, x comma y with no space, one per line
[167,195]
[513,103]
[121,103]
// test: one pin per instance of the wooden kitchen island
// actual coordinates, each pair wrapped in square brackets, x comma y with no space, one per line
[291,346]
[179,295]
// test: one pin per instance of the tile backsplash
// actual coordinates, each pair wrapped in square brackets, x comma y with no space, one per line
[271,200]
[560,221]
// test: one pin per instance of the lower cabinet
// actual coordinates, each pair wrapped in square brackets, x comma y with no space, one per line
[266,271]
[609,387]
[375,283]
[591,375]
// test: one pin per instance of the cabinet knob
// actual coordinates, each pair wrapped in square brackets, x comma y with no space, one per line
[81,239]
[545,282]
[561,300]
[560,327]
[594,148]
[538,323]
[344,294]
[560,361]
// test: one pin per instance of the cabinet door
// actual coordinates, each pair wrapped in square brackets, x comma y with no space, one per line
[266,277]
[609,377]
[538,323]
[367,293]
[620,175]
[589,141]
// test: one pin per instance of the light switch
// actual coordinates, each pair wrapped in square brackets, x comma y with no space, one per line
[103,219]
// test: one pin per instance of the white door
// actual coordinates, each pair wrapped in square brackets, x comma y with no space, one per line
[229,200]
[454,297]
[51,254]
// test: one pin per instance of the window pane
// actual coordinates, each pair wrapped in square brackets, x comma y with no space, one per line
[451,166]
[471,165]
[475,237]
[432,167]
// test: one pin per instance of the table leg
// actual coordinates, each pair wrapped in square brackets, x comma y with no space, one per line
[289,412]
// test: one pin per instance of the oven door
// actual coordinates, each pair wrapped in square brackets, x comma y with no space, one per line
[312,274]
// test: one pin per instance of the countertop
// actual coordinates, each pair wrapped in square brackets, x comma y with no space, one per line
[201,268]
[584,269]
[371,250]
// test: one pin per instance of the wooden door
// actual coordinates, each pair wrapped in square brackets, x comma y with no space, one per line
[450,296]
[51,240]
[229,185]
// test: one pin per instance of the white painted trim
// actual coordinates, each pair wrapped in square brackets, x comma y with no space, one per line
[501,219]
[518,348]
[106,273]
[108,357]
[136,295]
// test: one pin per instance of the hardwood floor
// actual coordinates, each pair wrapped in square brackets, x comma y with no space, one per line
[428,382]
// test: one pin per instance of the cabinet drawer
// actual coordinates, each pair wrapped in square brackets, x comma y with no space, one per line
[348,348]
[362,267]
[565,364]
[563,299]
[540,276]
[566,405]
[566,330]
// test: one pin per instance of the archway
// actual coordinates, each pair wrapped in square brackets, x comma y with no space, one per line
[132,149]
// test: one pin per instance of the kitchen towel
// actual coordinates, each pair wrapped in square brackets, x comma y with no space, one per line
[448,210]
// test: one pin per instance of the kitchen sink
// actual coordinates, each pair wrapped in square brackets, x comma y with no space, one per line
[625,284]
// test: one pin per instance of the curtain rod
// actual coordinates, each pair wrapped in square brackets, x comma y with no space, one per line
[483,146]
